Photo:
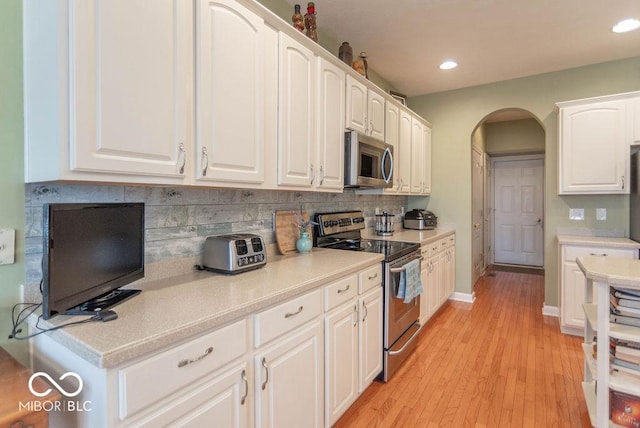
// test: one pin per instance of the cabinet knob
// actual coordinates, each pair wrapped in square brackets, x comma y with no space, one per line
[182,155]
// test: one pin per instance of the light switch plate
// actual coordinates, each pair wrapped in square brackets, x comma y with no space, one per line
[7,246]
[601,213]
[576,213]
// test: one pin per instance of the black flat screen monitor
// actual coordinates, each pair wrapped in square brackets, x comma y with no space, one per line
[90,250]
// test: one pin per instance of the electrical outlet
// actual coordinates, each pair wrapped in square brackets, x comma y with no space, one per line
[7,246]
[576,213]
[601,213]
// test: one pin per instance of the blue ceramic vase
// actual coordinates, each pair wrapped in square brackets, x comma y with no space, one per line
[304,243]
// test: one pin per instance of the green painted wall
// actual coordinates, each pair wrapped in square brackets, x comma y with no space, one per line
[455,114]
[11,144]
[11,166]
[514,137]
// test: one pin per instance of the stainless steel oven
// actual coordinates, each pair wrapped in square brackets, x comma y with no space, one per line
[401,320]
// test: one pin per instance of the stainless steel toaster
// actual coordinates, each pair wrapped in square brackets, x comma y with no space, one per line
[234,253]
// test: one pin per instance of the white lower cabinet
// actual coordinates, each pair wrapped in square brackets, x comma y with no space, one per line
[289,380]
[223,399]
[438,275]
[353,340]
[573,282]
[300,363]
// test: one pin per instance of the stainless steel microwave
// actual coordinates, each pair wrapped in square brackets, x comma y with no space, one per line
[368,162]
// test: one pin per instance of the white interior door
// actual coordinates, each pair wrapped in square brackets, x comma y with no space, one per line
[518,192]
[477,207]
[488,203]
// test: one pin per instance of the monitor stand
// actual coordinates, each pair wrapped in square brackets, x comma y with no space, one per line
[107,300]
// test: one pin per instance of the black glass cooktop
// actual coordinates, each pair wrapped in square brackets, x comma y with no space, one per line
[391,249]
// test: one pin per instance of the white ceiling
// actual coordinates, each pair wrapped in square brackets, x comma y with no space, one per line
[492,40]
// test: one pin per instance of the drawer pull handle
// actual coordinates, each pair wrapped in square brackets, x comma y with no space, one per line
[366,311]
[373,277]
[344,290]
[183,363]
[293,314]
[598,255]
[243,375]
[266,368]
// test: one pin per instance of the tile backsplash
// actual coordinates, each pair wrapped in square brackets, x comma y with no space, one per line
[178,219]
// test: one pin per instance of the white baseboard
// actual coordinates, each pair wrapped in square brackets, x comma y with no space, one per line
[551,311]
[463,297]
[572,331]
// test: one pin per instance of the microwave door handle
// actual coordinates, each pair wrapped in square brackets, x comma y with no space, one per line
[387,153]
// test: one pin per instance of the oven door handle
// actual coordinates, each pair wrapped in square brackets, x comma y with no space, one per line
[411,339]
[403,268]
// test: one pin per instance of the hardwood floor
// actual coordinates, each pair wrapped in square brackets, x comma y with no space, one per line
[496,363]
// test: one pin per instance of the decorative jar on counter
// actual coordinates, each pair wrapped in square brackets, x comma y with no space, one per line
[304,243]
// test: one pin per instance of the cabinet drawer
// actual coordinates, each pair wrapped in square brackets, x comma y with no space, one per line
[450,241]
[434,248]
[570,252]
[340,291]
[276,321]
[370,278]
[178,367]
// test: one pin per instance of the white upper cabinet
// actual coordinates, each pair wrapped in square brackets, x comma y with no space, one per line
[376,112]
[230,78]
[403,172]
[365,109]
[104,92]
[330,120]
[593,144]
[296,136]
[391,137]
[426,157]
[417,136]
[356,105]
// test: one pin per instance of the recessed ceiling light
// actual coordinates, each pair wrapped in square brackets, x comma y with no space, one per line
[626,25]
[448,65]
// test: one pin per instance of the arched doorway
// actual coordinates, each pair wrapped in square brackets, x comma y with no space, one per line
[507,151]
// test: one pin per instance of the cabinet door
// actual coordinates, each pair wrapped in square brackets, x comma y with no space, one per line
[417,153]
[289,381]
[356,105]
[434,284]
[341,360]
[573,288]
[231,90]
[391,135]
[443,282]
[370,337]
[424,277]
[426,159]
[404,153]
[593,148]
[130,105]
[331,107]
[375,115]
[224,400]
[452,272]
[296,137]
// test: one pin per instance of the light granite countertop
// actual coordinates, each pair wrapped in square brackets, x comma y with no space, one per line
[168,311]
[407,235]
[610,270]
[597,241]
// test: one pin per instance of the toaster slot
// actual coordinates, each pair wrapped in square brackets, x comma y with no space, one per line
[256,243]
[241,247]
